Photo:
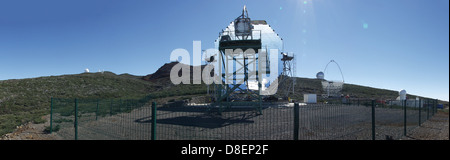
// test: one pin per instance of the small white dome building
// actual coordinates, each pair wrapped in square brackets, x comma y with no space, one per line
[402,94]
[320,75]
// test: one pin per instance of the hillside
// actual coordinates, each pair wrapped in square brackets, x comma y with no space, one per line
[28,100]
[306,85]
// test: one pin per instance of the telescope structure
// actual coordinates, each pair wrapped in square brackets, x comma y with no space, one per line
[243,58]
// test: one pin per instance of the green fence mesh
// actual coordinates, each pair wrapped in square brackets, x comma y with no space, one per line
[101,119]
[116,119]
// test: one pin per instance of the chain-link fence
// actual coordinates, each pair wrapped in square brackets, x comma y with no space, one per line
[138,119]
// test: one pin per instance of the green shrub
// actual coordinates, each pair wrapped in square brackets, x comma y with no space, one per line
[54,129]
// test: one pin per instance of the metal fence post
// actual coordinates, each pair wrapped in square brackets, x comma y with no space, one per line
[434,107]
[373,119]
[111,108]
[76,119]
[428,108]
[153,121]
[296,120]
[120,104]
[96,112]
[420,113]
[436,102]
[51,114]
[404,113]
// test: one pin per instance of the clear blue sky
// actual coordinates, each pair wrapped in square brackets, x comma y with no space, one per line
[391,44]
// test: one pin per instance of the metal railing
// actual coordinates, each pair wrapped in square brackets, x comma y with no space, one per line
[255,35]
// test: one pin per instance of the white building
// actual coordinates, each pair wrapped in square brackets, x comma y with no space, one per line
[309,98]
[409,103]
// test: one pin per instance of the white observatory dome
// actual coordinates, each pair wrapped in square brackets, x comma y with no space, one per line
[86,70]
[320,75]
[402,94]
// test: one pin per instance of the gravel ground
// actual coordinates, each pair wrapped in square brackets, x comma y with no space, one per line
[237,124]
[436,128]
[132,125]
[317,122]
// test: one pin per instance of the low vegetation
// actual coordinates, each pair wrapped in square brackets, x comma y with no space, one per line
[28,100]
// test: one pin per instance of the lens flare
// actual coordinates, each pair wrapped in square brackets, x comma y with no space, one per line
[365,25]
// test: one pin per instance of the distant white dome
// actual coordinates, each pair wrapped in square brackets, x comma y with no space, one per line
[402,94]
[320,75]
[86,70]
